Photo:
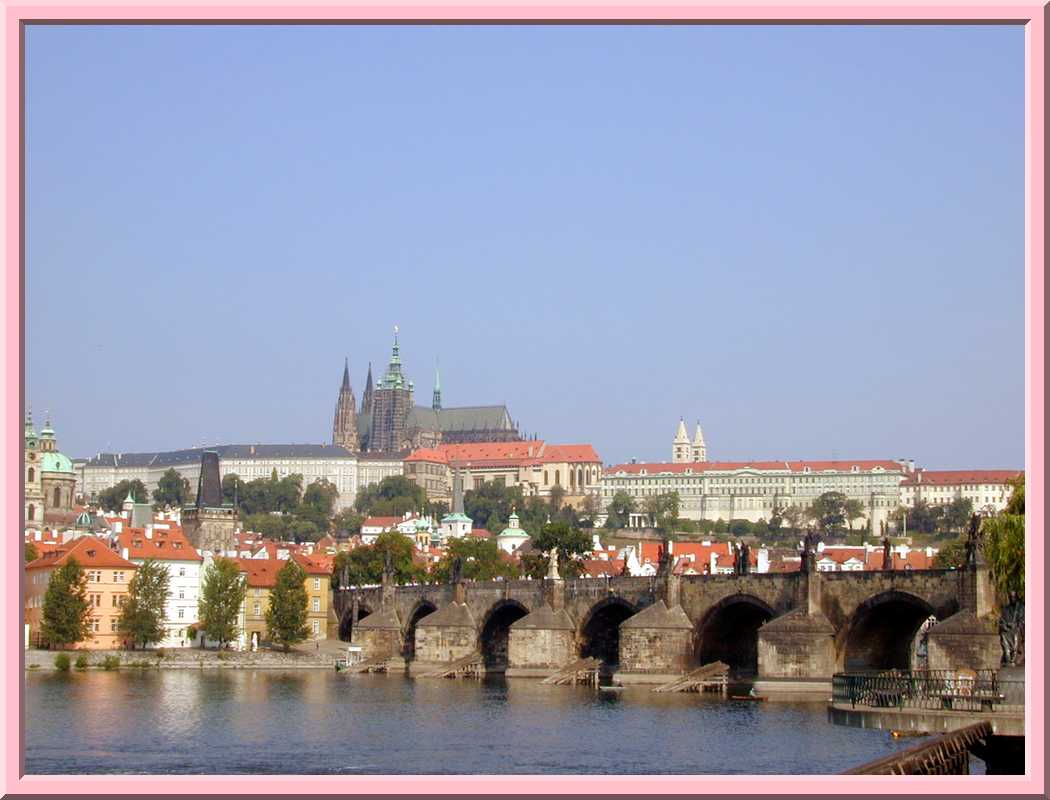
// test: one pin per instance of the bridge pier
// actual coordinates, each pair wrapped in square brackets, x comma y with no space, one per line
[656,644]
[541,642]
[447,635]
[379,634]
[796,651]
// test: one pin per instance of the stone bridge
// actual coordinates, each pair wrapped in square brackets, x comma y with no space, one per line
[794,627]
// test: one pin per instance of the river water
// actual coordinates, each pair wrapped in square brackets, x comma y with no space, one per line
[321,722]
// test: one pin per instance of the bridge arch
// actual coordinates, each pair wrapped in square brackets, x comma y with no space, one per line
[422,608]
[728,632]
[494,632]
[880,634]
[346,622]
[599,633]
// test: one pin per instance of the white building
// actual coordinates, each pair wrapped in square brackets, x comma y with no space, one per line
[714,490]
[168,546]
[988,489]
[512,537]
[346,470]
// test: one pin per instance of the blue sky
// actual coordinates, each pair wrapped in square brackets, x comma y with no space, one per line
[808,238]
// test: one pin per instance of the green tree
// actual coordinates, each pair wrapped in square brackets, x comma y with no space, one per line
[66,615]
[222,593]
[620,508]
[951,556]
[347,523]
[795,517]
[490,505]
[924,517]
[481,559]
[364,565]
[172,490]
[829,510]
[142,617]
[663,510]
[1004,549]
[31,553]
[391,497]
[852,509]
[321,496]
[286,615]
[957,514]
[112,499]
[232,489]
[570,544]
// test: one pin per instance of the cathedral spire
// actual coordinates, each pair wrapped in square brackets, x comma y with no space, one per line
[436,404]
[344,426]
[346,376]
[366,398]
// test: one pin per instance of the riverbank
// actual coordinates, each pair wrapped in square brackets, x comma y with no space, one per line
[186,658]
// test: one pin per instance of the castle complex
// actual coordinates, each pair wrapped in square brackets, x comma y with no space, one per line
[389,421]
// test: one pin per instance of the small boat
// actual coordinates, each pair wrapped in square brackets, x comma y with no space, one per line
[753,697]
[906,734]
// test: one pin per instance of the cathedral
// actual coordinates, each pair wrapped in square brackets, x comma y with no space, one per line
[389,421]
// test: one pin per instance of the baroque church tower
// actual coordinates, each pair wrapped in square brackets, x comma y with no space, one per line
[344,428]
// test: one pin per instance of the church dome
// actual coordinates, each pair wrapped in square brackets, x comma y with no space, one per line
[55,462]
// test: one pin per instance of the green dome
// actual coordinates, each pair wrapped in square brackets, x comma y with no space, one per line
[514,532]
[55,462]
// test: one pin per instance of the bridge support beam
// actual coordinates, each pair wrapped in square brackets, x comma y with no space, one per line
[657,643]
[796,653]
[378,634]
[540,643]
[964,641]
[447,635]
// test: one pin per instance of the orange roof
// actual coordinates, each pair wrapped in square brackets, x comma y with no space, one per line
[731,466]
[88,552]
[383,522]
[956,477]
[261,572]
[480,533]
[169,545]
[507,454]
[314,565]
[840,555]
[650,551]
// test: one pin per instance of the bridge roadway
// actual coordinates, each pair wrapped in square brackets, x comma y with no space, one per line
[785,628]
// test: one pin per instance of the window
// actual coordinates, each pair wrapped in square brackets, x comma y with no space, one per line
[317,584]
[180,613]
[94,576]
[316,627]
[94,624]
[95,600]
[113,625]
[32,475]
[118,577]
[182,594]
[317,604]
[255,609]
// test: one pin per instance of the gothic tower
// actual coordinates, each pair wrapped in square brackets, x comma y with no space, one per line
[681,451]
[344,428]
[366,398]
[699,448]
[436,402]
[391,403]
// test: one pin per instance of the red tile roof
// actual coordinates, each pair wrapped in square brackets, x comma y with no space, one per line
[261,572]
[88,552]
[508,454]
[169,545]
[480,533]
[383,522]
[958,477]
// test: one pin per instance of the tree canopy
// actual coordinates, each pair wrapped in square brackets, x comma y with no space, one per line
[829,511]
[66,615]
[570,544]
[481,559]
[620,508]
[1004,547]
[364,565]
[172,490]
[222,592]
[112,499]
[287,613]
[142,617]
[391,497]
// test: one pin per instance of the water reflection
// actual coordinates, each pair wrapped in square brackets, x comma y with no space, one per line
[314,722]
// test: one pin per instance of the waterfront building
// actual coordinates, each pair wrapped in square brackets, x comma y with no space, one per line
[260,576]
[166,544]
[318,595]
[988,489]
[513,536]
[535,466]
[108,577]
[50,481]
[753,490]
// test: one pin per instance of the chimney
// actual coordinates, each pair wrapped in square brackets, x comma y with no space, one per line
[149,531]
[124,553]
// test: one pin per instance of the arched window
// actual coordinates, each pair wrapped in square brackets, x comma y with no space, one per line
[572,477]
[32,475]
[579,477]
[31,512]
[58,497]
[557,477]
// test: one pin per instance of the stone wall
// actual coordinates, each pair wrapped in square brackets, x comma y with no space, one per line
[797,645]
[539,648]
[964,642]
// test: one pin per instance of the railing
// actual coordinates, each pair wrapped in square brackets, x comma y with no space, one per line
[932,690]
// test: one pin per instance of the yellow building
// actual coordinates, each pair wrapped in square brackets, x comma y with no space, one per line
[108,576]
[261,576]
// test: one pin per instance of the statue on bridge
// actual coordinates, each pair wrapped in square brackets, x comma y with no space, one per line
[552,565]
[887,554]
[455,574]
[743,559]
[973,540]
[663,563]
[809,549]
